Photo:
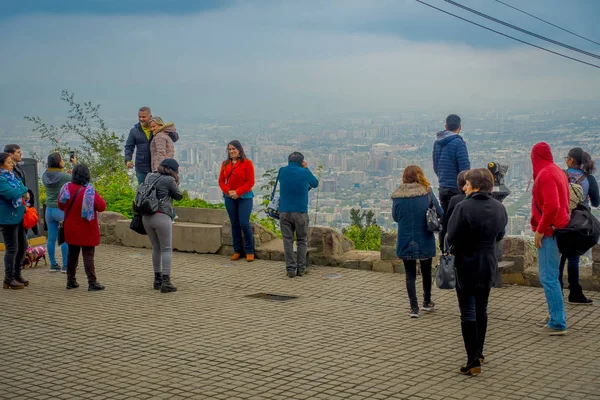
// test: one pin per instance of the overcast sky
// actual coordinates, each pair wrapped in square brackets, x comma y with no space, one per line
[269,58]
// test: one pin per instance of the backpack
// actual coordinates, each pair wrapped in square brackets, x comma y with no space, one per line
[146,201]
[580,235]
[575,191]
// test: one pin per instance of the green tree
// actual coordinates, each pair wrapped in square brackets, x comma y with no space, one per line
[367,235]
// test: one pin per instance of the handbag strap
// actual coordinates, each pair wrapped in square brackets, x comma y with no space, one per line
[73,201]
[430,197]
[275,186]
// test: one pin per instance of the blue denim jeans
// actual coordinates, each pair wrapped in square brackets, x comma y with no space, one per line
[141,176]
[239,214]
[548,263]
[53,217]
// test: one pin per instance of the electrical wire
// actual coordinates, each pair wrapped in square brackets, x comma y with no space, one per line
[548,22]
[510,37]
[566,46]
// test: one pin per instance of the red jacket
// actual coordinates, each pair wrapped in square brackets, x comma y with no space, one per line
[238,177]
[550,192]
[78,230]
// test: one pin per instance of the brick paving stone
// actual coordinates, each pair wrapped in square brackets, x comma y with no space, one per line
[346,338]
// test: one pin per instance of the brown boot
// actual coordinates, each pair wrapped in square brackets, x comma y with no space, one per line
[12,283]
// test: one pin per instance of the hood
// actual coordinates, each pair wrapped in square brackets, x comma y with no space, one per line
[52,178]
[407,190]
[541,157]
[445,137]
[169,127]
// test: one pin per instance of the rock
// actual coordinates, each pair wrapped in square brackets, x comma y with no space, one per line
[351,264]
[107,222]
[226,251]
[389,239]
[398,266]
[596,253]
[383,266]
[388,253]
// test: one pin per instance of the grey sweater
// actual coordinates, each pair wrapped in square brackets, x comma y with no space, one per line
[166,191]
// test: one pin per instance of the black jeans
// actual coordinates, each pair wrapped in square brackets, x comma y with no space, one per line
[573,269]
[88,263]
[445,194]
[473,317]
[15,242]
[410,267]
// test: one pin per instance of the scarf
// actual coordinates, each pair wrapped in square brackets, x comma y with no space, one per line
[14,182]
[87,206]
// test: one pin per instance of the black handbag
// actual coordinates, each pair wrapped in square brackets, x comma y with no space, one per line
[61,224]
[434,223]
[137,225]
[445,276]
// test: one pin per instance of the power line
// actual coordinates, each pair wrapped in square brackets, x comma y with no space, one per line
[511,37]
[566,46]
[547,22]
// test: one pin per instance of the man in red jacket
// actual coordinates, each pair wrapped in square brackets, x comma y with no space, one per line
[550,210]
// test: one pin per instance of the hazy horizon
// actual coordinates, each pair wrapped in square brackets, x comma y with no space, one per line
[267,59]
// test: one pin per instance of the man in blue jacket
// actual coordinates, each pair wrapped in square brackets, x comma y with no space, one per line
[450,157]
[295,181]
[139,140]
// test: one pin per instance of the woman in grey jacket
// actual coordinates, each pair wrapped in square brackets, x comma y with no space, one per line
[159,225]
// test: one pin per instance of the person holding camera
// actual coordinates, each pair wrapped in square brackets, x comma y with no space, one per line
[53,180]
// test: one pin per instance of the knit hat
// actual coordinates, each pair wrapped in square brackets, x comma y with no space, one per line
[170,163]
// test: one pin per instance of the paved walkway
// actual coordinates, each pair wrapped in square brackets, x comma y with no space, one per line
[344,338]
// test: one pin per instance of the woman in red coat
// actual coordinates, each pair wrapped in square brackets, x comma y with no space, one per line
[81,203]
[236,180]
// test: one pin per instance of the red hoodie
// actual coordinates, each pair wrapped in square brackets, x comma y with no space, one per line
[550,192]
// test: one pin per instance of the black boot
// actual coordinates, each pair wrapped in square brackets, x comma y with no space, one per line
[94,287]
[19,278]
[167,286]
[157,280]
[11,283]
[481,331]
[469,333]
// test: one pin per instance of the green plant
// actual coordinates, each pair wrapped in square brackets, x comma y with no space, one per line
[366,236]
[187,201]
[268,222]
[319,173]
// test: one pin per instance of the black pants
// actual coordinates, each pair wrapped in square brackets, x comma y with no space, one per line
[410,266]
[576,291]
[88,263]
[15,242]
[445,194]
[473,317]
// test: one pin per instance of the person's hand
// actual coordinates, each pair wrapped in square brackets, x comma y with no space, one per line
[69,171]
[235,195]
[231,193]
[74,160]
[304,164]
[538,240]
[129,164]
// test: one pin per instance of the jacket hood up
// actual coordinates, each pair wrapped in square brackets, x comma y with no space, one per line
[445,137]
[541,157]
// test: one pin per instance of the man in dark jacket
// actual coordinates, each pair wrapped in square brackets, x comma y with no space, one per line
[450,156]
[17,156]
[139,140]
[295,181]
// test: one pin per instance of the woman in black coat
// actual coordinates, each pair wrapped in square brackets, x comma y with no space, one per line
[477,223]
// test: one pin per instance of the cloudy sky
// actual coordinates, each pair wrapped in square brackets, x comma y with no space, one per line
[267,58]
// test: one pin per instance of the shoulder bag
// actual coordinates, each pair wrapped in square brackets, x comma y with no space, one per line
[273,207]
[434,223]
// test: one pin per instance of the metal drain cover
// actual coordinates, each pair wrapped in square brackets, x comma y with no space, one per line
[271,296]
[331,276]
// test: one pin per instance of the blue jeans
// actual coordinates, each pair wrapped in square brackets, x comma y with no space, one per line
[239,214]
[141,176]
[548,263]
[53,217]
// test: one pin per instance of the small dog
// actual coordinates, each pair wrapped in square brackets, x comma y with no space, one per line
[33,255]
